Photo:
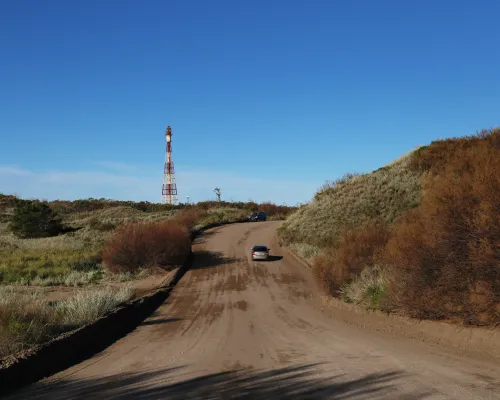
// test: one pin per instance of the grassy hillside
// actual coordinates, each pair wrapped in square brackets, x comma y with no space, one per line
[350,202]
[420,236]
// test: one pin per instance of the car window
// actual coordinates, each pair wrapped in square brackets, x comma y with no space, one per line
[260,248]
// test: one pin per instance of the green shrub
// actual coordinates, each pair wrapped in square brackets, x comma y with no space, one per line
[33,219]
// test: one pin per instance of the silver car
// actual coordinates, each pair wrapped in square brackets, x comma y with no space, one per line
[260,252]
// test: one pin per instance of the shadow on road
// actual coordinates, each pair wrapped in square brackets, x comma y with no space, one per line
[274,258]
[161,321]
[292,382]
[203,236]
[207,259]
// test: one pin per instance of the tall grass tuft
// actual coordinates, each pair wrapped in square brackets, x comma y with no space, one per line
[26,320]
[367,289]
[88,306]
[304,250]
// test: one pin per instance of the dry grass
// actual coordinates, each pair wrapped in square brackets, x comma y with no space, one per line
[87,306]
[352,201]
[26,320]
[115,216]
[46,259]
[221,216]
[27,266]
[304,250]
[190,217]
[367,289]
[73,278]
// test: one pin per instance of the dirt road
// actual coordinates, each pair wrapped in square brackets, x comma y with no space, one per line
[234,328]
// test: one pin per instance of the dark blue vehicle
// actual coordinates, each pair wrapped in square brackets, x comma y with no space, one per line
[258,216]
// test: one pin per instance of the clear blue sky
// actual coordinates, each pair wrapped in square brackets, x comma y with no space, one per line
[266,99]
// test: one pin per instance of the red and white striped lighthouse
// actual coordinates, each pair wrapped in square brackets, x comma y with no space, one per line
[169,189]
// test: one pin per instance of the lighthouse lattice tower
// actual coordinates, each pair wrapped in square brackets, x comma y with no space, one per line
[169,189]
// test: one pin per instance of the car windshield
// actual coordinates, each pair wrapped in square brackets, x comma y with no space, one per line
[260,248]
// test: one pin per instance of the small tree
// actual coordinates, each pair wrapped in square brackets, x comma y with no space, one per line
[217,193]
[33,219]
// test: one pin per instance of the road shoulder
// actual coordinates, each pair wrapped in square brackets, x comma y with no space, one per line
[473,341]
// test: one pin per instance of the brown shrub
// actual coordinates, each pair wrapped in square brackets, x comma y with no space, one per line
[447,251]
[188,217]
[147,245]
[274,210]
[435,157]
[346,258]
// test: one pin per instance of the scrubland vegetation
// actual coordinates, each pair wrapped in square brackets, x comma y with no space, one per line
[420,236]
[89,244]
[27,320]
[63,243]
